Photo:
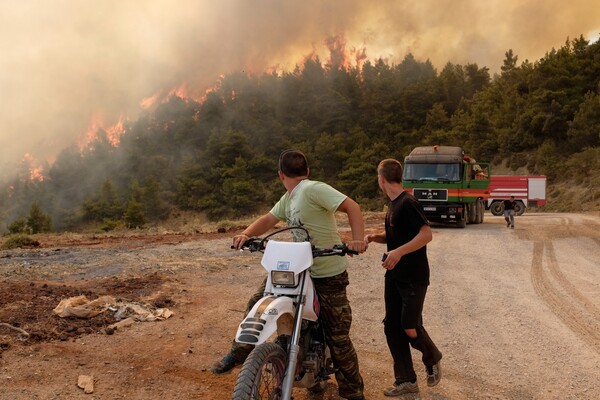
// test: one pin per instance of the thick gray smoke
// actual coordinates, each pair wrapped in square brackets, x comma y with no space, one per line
[68,65]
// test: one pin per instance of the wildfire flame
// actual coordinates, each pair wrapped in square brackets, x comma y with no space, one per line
[339,58]
[148,102]
[113,132]
[36,171]
[182,91]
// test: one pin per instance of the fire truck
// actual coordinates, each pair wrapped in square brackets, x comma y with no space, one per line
[529,191]
[452,187]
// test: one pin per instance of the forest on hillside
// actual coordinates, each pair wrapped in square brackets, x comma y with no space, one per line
[219,155]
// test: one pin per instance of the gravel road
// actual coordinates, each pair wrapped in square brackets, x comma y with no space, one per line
[516,314]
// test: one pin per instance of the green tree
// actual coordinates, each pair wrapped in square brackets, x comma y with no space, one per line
[134,215]
[103,205]
[510,62]
[38,221]
[155,207]
[584,129]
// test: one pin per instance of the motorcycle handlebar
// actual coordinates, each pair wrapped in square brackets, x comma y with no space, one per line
[253,244]
[336,250]
[257,244]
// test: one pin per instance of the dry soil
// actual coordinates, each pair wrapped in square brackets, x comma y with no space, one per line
[515,312]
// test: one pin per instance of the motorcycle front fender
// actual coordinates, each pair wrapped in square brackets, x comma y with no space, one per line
[263,320]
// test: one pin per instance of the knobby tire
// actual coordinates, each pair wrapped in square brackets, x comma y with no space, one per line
[261,376]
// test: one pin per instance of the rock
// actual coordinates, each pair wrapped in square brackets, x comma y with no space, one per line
[86,382]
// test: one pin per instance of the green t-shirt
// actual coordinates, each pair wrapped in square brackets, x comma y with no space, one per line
[312,204]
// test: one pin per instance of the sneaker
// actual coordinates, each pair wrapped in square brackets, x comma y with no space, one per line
[434,374]
[512,227]
[403,388]
[226,364]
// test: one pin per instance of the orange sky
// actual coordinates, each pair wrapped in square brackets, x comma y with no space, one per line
[64,62]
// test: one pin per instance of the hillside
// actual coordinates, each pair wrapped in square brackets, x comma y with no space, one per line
[218,155]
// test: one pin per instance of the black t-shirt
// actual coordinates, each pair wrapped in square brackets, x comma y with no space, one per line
[509,204]
[403,221]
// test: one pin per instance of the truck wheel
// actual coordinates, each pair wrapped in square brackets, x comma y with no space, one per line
[472,213]
[463,222]
[519,208]
[480,211]
[497,208]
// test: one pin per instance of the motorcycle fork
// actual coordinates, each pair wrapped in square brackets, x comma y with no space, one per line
[294,348]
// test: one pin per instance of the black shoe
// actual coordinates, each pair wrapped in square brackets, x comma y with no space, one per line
[401,389]
[226,364]
[434,374]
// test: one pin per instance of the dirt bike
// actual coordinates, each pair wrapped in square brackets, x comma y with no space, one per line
[290,349]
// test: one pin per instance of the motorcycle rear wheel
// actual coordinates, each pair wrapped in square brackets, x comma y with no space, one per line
[261,376]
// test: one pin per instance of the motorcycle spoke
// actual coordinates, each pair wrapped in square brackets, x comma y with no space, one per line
[270,383]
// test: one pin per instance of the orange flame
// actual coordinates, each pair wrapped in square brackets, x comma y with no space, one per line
[182,91]
[113,132]
[36,171]
[148,102]
[339,58]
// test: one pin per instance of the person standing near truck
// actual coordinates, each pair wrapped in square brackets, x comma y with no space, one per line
[509,212]
[407,233]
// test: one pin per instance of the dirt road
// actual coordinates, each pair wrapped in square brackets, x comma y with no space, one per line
[515,312]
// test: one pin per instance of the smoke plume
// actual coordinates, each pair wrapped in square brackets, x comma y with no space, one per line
[68,65]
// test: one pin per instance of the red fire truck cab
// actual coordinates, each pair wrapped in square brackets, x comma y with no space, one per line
[529,191]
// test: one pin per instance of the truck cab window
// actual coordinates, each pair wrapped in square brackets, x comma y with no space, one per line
[432,172]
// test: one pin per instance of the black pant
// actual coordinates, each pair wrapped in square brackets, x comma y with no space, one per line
[403,310]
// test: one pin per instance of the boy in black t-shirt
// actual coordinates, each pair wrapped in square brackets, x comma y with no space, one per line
[407,233]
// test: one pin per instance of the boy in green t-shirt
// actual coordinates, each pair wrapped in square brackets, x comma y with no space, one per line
[313,204]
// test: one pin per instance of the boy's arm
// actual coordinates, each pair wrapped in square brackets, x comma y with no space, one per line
[257,228]
[357,224]
[376,237]
[421,239]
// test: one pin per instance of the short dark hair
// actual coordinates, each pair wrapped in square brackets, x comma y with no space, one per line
[293,163]
[391,170]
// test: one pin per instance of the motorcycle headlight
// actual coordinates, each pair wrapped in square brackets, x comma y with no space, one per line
[283,278]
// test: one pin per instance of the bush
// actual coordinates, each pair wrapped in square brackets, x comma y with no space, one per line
[109,225]
[19,240]
[17,226]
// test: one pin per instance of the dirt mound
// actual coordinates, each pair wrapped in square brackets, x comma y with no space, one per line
[29,306]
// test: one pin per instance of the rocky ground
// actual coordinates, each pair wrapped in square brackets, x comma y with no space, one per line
[515,312]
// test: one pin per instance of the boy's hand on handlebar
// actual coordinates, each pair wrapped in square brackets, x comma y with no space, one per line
[357,245]
[239,240]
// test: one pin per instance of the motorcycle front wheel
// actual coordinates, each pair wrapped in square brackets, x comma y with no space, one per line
[261,376]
